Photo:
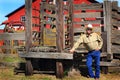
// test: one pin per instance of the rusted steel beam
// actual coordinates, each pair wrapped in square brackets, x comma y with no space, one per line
[28,24]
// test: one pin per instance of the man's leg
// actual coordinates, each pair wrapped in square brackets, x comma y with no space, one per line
[97,64]
[89,65]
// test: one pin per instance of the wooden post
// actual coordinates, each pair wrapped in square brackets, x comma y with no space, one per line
[107,24]
[71,24]
[42,25]
[28,24]
[60,27]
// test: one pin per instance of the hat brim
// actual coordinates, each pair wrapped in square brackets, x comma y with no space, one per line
[89,28]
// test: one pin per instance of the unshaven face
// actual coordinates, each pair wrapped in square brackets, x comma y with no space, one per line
[89,31]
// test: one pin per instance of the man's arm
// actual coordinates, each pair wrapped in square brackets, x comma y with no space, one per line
[79,41]
[100,41]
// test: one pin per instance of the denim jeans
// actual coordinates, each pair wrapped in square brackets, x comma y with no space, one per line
[93,55]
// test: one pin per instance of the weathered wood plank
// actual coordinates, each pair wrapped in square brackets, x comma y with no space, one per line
[87,22]
[28,24]
[12,36]
[48,22]
[107,24]
[116,40]
[87,15]
[71,29]
[115,32]
[115,22]
[115,15]
[83,29]
[49,6]
[104,37]
[102,63]
[60,28]
[46,55]
[94,6]
[115,36]
[48,15]
[41,22]
[119,10]
[115,48]
[115,5]
[8,47]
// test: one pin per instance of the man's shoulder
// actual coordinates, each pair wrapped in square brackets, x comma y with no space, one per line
[83,35]
[94,33]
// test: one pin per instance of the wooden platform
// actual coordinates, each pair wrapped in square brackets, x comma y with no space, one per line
[46,55]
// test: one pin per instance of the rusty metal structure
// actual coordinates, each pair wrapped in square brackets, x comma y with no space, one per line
[55,41]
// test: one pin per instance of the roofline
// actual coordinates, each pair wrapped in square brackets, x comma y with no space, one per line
[16,10]
[93,1]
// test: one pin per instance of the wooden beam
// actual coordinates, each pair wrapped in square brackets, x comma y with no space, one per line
[49,6]
[48,22]
[92,6]
[48,15]
[82,29]
[115,5]
[107,24]
[71,29]
[47,55]
[115,48]
[12,36]
[87,15]
[9,47]
[41,22]
[115,15]
[103,63]
[115,37]
[104,37]
[87,22]
[60,27]
[28,24]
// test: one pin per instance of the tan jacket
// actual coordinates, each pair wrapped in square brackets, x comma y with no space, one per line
[91,42]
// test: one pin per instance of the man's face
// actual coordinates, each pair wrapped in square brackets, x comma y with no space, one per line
[88,31]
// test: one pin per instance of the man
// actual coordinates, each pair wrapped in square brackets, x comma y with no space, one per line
[93,43]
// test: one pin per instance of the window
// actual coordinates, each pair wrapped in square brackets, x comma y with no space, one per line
[23,18]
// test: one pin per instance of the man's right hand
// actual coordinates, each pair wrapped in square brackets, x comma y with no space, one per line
[72,51]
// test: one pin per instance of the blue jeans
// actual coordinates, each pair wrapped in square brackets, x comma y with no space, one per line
[93,55]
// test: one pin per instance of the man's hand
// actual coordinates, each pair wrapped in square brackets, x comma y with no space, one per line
[72,51]
[97,49]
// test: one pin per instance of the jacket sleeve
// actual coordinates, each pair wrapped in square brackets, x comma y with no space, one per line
[79,41]
[100,40]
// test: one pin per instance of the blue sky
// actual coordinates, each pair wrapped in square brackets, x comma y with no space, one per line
[7,6]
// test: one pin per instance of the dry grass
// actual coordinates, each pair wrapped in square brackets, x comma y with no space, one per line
[8,74]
